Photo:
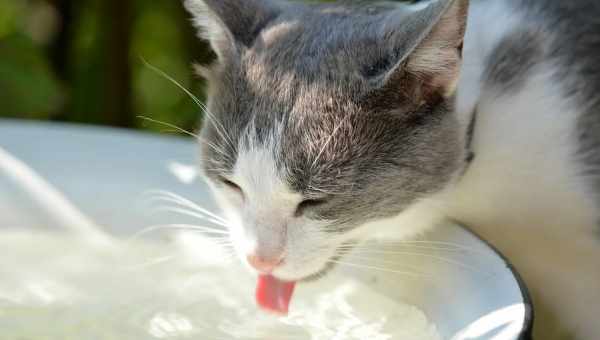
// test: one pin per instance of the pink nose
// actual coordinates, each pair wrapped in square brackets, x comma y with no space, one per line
[264,264]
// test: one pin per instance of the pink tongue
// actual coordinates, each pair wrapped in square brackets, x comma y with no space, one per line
[273,294]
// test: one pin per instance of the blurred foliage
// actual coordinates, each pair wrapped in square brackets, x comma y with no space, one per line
[28,86]
[82,61]
[63,60]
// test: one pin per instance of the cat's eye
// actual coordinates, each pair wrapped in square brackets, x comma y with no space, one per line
[307,205]
[230,184]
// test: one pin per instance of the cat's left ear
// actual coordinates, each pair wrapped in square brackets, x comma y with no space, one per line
[431,44]
[231,24]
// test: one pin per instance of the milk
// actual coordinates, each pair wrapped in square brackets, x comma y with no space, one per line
[53,286]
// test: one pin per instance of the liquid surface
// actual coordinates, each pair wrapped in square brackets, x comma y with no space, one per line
[56,287]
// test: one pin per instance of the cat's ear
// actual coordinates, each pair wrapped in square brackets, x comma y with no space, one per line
[431,42]
[231,24]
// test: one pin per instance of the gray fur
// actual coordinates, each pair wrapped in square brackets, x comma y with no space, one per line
[223,22]
[512,62]
[356,98]
[573,38]
[565,33]
[577,47]
[352,123]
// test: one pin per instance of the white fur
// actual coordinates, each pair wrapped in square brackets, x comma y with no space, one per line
[524,192]
[487,24]
[415,220]
[263,221]
[268,203]
[268,211]
[205,20]
[210,27]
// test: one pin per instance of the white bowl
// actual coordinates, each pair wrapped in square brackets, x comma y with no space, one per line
[477,294]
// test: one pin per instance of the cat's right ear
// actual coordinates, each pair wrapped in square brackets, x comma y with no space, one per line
[427,46]
[231,25]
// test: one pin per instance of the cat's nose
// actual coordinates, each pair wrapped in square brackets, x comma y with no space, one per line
[263,264]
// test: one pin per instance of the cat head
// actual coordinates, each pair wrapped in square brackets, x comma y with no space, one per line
[323,118]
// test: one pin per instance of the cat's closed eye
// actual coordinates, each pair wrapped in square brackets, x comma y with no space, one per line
[306,205]
[231,185]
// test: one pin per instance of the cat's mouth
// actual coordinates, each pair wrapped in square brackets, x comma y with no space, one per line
[331,263]
[274,294]
[329,266]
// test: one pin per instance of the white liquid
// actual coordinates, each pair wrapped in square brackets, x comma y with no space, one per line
[55,287]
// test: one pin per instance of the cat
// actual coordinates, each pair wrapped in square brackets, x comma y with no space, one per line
[328,122]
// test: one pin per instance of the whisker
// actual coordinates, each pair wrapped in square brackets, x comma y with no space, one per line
[191,214]
[172,126]
[433,257]
[382,249]
[383,265]
[360,266]
[376,260]
[222,240]
[457,245]
[151,263]
[196,136]
[187,203]
[223,244]
[452,250]
[216,169]
[218,126]
[216,239]
[203,229]
[217,149]
[420,243]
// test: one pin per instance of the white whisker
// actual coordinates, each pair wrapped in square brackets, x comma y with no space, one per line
[151,263]
[196,136]
[202,229]
[422,244]
[172,126]
[429,256]
[382,264]
[218,126]
[382,249]
[408,273]
[191,214]
[187,203]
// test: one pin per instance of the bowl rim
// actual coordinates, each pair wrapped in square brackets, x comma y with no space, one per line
[527,330]
[528,322]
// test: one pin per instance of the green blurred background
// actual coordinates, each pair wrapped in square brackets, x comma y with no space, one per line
[82,61]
